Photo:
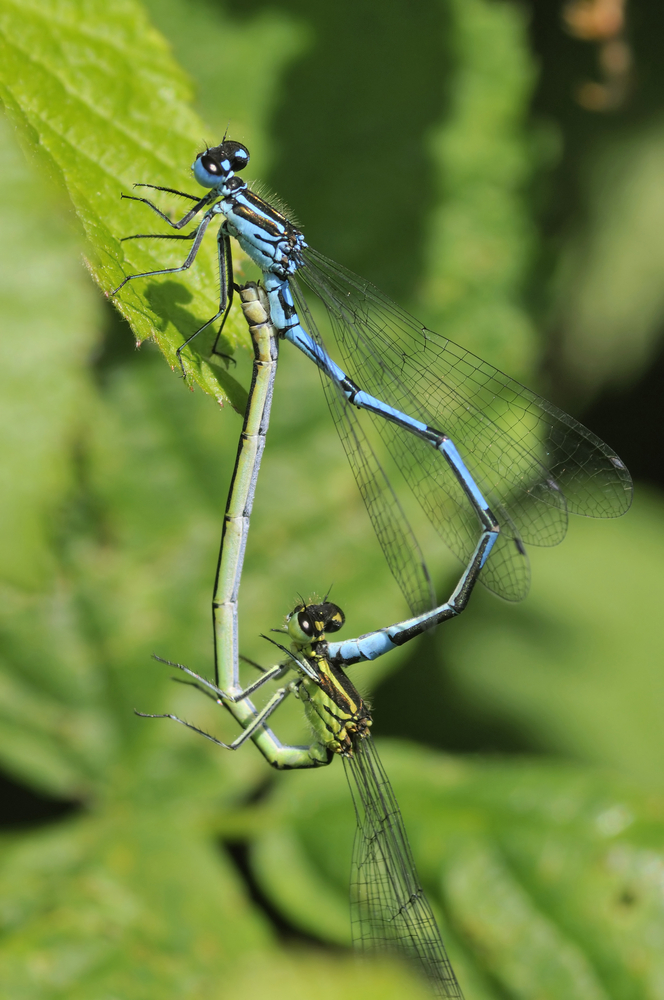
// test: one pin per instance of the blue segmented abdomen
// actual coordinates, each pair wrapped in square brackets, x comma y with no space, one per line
[366,647]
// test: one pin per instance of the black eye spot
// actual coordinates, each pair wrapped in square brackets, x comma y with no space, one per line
[305,623]
[210,165]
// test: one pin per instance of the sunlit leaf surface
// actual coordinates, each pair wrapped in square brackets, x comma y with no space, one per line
[546,876]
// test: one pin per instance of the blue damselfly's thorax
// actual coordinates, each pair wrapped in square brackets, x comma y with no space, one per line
[335,709]
[264,233]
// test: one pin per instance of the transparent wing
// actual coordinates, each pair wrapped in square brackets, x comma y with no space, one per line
[531,461]
[389,911]
[400,546]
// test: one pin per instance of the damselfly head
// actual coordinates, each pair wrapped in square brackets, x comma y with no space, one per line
[309,622]
[213,166]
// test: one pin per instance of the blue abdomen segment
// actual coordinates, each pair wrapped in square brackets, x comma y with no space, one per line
[371,645]
[351,390]
[449,450]
[286,320]
[366,647]
[374,644]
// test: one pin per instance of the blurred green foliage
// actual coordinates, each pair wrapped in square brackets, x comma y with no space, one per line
[545,872]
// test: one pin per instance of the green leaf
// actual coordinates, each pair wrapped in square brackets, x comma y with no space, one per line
[546,879]
[127,474]
[541,874]
[98,906]
[326,978]
[216,48]
[45,359]
[576,667]
[94,89]
[608,296]
[481,232]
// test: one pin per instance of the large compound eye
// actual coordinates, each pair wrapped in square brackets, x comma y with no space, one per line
[236,154]
[334,617]
[211,165]
[211,170]
[306,624]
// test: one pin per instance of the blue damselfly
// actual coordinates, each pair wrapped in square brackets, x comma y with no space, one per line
[526,464]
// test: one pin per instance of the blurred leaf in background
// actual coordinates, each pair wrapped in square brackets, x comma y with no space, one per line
[503,208]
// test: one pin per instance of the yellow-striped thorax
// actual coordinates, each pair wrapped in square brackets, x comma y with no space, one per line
[334,707]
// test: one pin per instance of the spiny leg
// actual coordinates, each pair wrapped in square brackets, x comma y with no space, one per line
[227,283]
[255,724]
[178,224]
[198,235]
[225,263]
[227,287]
[160,236]
[223,696]
[252,663]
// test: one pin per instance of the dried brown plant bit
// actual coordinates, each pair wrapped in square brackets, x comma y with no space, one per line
[602,22]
